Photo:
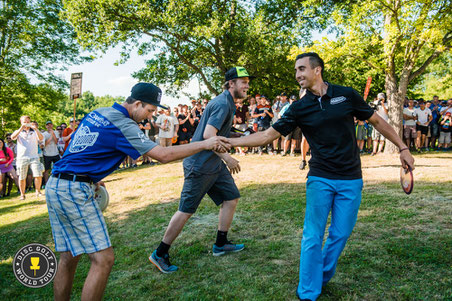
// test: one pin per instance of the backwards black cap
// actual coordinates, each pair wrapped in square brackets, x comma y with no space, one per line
[237,72]
[147,92]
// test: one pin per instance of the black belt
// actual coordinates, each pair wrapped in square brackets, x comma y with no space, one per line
[71,177]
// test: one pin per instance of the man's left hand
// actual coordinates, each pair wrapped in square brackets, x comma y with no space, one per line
[98,184]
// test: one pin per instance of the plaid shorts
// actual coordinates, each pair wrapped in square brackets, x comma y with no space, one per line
[76,219]
[33,163]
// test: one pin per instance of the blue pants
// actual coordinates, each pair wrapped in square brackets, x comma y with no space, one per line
[342,198]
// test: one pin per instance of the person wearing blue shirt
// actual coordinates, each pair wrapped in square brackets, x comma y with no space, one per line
[325,115]
[102,141]
[206,173]
[434,125]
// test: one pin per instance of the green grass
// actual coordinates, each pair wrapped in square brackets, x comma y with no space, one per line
[400,249]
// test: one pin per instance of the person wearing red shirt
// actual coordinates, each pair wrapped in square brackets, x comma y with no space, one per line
[67,133]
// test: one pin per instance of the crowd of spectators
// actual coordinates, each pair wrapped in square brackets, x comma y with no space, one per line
[28,161]
[426,126]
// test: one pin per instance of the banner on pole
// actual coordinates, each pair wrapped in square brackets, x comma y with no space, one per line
[366,91]
[76,85]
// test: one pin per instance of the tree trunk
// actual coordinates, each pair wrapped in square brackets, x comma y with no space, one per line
[395,111]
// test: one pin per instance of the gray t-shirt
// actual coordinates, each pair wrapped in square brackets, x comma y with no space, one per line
[219,113]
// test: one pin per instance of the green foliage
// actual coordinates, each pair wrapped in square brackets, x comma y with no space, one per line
[34,42]
[437,79]
[87,103]
[41,111]
[201,38]
[388,40]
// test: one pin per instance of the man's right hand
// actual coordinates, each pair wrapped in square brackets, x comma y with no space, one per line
[233,165]
[218,143]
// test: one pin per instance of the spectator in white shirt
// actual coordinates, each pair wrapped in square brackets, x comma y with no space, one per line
[28,137]
[168,126]
[60,144]
[424,116]
[377,137]
[51,153]
[409,127]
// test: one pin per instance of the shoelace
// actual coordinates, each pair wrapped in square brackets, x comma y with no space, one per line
[166,260]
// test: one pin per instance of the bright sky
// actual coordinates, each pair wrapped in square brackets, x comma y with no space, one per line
[102,77]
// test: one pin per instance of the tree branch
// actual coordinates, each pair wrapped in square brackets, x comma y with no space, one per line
[384,4]
[425,64]
[185,60]
[446,40]
[366,61]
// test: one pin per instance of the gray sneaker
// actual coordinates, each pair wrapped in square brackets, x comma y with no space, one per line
[162,263]
[227,248]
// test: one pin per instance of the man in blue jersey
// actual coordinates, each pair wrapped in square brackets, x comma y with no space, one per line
[102,141]
[325,115]
[206,173]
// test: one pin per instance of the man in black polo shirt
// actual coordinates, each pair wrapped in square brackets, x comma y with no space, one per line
[325,115]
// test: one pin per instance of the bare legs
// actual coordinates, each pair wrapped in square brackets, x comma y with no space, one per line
[96,281]
[179,219]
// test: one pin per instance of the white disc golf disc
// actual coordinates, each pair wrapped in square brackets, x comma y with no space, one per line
[102,198]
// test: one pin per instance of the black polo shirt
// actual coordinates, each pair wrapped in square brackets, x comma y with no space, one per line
[329,128]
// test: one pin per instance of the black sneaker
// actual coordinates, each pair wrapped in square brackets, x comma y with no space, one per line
[303,165]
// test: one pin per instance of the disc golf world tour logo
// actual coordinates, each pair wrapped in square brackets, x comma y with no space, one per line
[35,265]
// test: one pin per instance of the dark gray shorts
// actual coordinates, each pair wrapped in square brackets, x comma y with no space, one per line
[295,135]
[219,186]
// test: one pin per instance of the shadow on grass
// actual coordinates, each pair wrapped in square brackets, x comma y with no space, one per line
[16,207]
[386,257]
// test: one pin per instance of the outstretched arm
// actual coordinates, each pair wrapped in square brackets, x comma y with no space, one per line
[172,153]
[256,139]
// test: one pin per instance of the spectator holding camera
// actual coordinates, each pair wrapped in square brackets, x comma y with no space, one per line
[28,137]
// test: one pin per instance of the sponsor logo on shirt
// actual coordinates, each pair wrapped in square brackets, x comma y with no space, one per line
[143,137]
[83,139]
[336,100]
[97,120]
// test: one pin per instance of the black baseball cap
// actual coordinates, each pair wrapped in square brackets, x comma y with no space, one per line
[237,72]
[149,93]
[283,94]
[49,122]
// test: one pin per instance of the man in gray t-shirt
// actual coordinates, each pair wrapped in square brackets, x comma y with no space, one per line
[206,173]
